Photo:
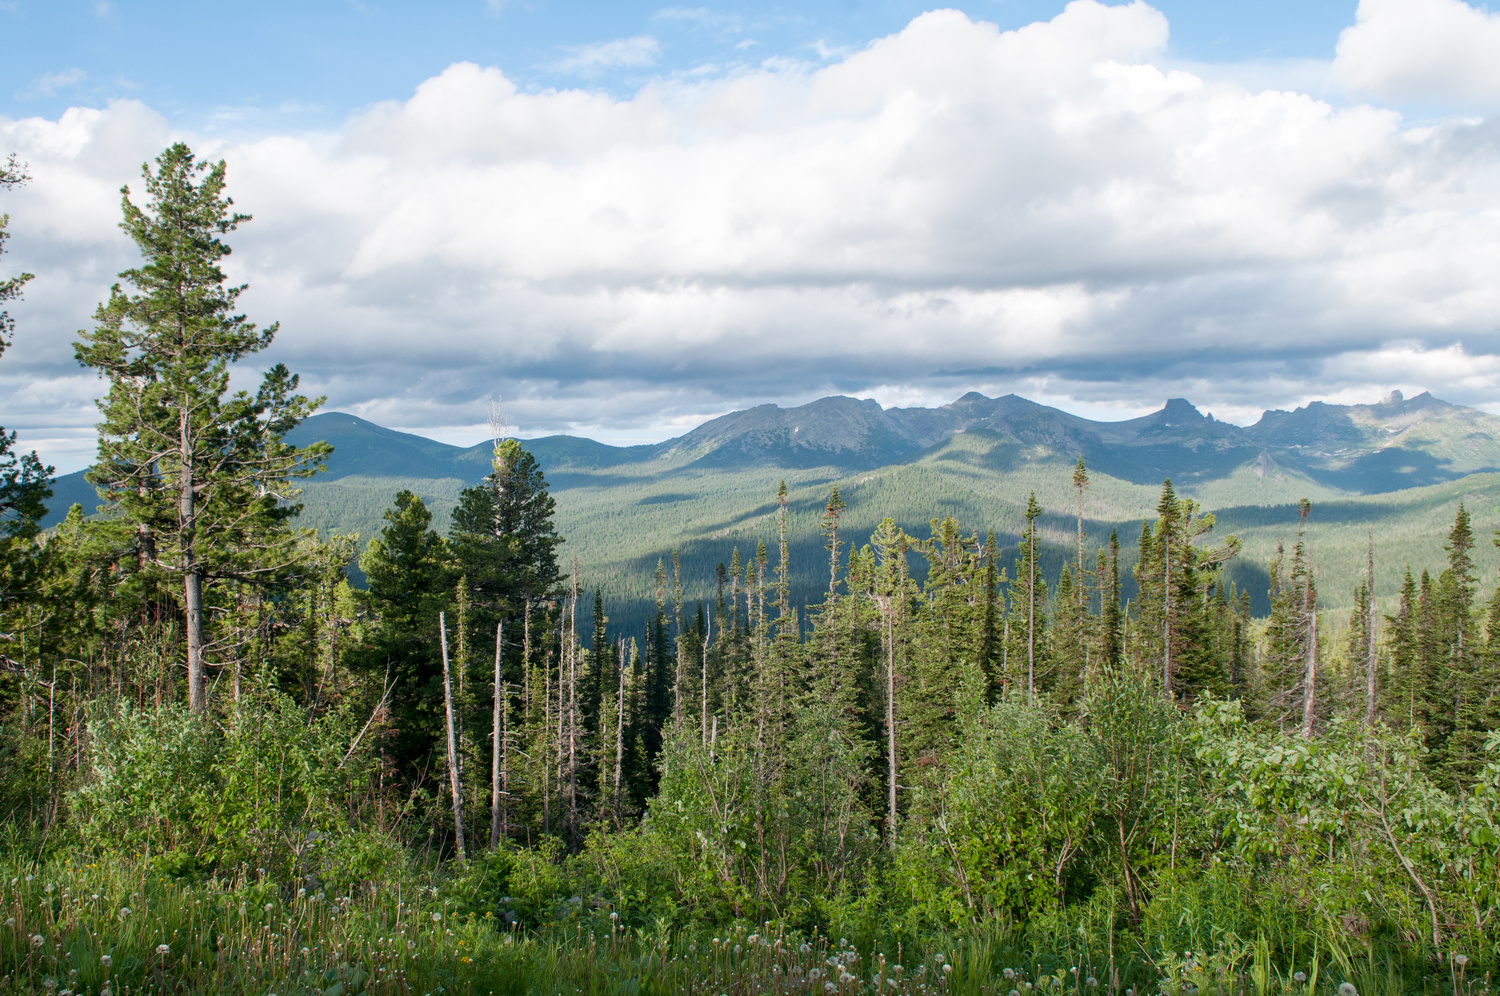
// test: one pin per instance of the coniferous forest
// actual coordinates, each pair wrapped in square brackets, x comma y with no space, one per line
[226,769]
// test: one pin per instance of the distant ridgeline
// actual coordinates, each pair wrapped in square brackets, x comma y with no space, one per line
[1400,467]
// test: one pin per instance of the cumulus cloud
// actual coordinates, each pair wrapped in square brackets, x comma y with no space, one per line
[1422,50]
[1050,210]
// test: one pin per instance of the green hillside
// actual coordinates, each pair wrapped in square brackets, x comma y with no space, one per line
[1400,466]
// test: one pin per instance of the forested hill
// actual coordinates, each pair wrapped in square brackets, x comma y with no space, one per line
[1400,464]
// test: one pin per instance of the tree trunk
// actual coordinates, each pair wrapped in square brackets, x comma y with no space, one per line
[619,728]
[573,712]
[497,733]
[453,780]
[1310,679]
[1166,613]
[192,580]
[703,680]
[1370,633]
[890,709]
[1031,614]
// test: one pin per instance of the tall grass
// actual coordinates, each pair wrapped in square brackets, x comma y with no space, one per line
[116,929]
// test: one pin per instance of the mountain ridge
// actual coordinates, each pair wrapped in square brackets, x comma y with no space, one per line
[1389,445]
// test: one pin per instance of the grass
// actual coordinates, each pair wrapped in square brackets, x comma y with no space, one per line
[115,928]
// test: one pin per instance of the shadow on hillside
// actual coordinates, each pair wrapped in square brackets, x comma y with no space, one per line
[1393,469]
[1150,465]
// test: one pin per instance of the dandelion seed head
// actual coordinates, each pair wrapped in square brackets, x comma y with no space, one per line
[162,949]
[106,960]
[1299,978]
[1347,989]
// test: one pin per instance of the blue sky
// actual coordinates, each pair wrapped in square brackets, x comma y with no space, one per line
[625,219]
[246,66]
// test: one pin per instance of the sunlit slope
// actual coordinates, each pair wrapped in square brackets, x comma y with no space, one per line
[1399,466]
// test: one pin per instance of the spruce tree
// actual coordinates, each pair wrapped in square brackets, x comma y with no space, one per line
[408,577]
[1462,684]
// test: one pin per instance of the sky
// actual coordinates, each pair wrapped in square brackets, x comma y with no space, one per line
[623,219]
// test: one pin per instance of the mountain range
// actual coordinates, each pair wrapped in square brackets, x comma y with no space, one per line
[1399,464]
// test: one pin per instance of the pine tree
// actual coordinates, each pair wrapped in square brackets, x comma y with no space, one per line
[25,484]
[201,473]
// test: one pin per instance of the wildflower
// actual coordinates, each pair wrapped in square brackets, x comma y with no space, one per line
[1091,982]
[805,948]
[106,961]
[947,969]
[1299,978]
[106,991]
[305,952]
[1347,989]
[692,948]
[815,974]
[436,917]
[164,949]
[37,940]
[829,987]
[270,907]
[1014,993]
[301,893]
[736,949]
[613,915]
[891,982]
[1460,960]
[411,945]
[1009,973]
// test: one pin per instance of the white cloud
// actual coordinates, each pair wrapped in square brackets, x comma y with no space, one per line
[48,84]
[622,53]
[1422,50]
[1054,210]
